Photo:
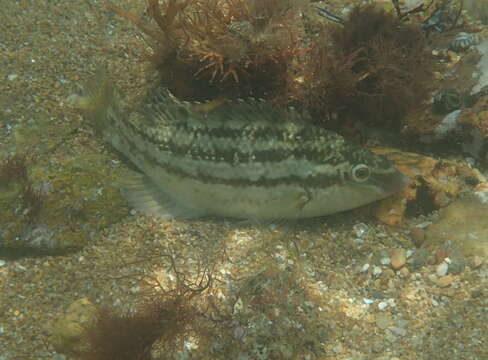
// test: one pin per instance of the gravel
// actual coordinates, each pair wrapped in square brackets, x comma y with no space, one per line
[47,50]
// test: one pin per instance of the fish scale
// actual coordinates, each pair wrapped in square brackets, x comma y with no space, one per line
[244,159]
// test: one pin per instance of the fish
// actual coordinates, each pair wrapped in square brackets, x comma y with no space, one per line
[243,159]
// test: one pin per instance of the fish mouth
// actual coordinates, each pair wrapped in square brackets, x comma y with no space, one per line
[394,182]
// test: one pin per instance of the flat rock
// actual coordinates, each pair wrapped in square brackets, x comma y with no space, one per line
[462,227]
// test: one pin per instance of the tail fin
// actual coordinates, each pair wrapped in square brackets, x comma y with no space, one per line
[99,101]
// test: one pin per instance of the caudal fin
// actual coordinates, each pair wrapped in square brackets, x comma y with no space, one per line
[99,101]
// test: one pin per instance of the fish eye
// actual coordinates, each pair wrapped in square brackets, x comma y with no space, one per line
[360,173]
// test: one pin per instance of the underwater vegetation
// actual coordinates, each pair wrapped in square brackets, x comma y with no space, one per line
[46,211]
[20,202]
[188,310]
[114,336]
[371,68]
[165,318]
[207,48]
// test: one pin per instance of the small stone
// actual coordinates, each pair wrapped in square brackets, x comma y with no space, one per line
[360,229]
[417,235]
[2,263]
[419,259]
[456,266]
[398,331]
[445,281]
[364,268]
[383,321]
[475,261]
[12,77]
[441,269]
[67,333]
[404,272]
[476,293]
[440,255]
[382,305]
[338,348]
[389,273]
[398,258]
[377,271]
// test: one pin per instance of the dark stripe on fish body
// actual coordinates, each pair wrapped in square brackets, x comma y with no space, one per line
[331,177]
[223,142]
[318,181]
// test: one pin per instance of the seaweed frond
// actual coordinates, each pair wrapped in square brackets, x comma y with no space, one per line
[205,48]
[13,168]
[374,69]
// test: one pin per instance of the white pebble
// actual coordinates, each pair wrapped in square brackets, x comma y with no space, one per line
[377,271]
[441,269]
[360,229]
[382,305]
[364,268]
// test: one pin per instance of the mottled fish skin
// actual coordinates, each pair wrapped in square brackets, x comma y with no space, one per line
[244,160]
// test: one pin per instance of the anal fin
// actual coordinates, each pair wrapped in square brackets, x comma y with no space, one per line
[148,198]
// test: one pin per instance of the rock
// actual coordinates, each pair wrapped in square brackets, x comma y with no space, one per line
[457,265]
[417,235]
[462,227]
[404,272]
[441,255]
[65,208]
[419,259]
[398,258]
[475,261]
[434,184]
[445,281]
[441,269]
[66,334]
[383,320]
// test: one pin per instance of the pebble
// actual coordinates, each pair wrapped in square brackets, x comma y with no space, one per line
[404,272]
[456,266]
[445,281]
[440,255]
[398,258]
[475,261]
[441,269]
[419,259]
[398,331]
[383,321]
[360,229]
[417,235]
[338,348]
[2,263]
[364,268]
[377,271]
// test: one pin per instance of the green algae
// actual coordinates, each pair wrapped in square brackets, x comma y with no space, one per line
[76,199]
